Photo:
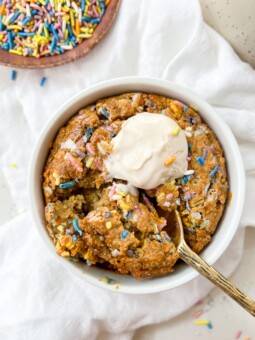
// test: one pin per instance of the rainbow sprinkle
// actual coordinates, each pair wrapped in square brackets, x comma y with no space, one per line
[43,80]
[214,170]
[13,75]
[47,27]
[76,226]
[67,185]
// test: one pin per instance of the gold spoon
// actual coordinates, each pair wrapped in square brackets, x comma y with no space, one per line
[195,261]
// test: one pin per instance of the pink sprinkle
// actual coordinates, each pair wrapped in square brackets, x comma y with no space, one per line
[162,225]
[148,203]
[80,153]
[112,191]
[238,334]
[198,313]
[188,158]
[108,128]
[199,302]
[169,196]
[98,165]
[80,142]
[90,149]
[74,162]
[138,209]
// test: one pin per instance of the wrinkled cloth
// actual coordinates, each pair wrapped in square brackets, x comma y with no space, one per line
[166,39]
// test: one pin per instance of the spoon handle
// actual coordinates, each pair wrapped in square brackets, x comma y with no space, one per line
[192,259]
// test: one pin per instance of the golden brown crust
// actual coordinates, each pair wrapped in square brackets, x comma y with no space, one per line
[90,221]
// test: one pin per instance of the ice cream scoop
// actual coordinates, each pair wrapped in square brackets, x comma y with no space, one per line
[149,150]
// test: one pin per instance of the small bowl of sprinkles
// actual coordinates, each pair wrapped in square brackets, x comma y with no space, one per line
[47,33]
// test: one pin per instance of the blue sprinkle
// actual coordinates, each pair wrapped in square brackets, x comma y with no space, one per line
[209,325]
[74,238]
[185,109]
[66,185]
[88,133]
[105,112]
[124,234]
[168,238]
[76,226]
[214,170]
[43,80]
[186,178]
[26,20]
[25,34]
[129,215]
[200,160]
[13,75]
[107,215]
[1,23]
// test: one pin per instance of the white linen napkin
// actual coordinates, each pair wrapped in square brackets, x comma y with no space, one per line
[165,39]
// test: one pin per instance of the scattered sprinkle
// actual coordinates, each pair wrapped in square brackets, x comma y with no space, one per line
[88,133]
[67,185]
[104,112]
[170,160]
[200,160]
[107,280]
[189,172]
[129,215]
[238,334]
[201,322]
[89,162]
[13,75]
[199,302]
[130,253]
[107,215]
[115,253]
[43,81]
[188,134]
[186,178]
[74,238]
[191,120]
[124,234]
[214,170]
[68,144]
[198,313]
[209,325]
[168,238]
[185,108]
[76,226]
[169,196]
[176,131]
[74,162]
[108,225]
[13,166]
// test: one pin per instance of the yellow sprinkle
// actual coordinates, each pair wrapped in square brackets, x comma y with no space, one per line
[123,205]
[122,193]
[46,31]
[176,131]
[13,166]
[13,27]
[161,196]
[201,322]
[170,160]
[72,17]
[57,178]
[107,2]
[89,162]
[66,34]
[84,35]
[108,225]
[15,52]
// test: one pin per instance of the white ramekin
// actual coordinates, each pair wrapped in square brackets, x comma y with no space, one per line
[236,178]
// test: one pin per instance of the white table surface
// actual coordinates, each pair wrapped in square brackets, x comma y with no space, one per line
[225,315]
